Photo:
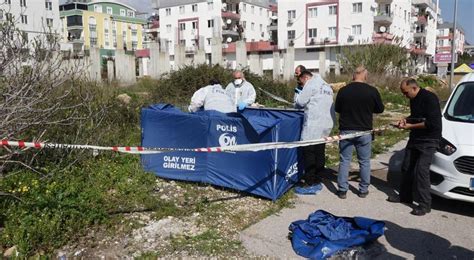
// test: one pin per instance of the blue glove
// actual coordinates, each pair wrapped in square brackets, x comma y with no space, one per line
[242,105]
[298,89]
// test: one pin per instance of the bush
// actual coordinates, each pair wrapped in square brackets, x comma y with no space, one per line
[377,58]
[178,87]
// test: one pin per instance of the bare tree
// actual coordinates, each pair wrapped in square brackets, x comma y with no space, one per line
[40,88]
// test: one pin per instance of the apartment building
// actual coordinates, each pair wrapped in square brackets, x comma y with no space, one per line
[107,25]
[194,23]
[444,39]
[32,17]
[426,16]
[317,29]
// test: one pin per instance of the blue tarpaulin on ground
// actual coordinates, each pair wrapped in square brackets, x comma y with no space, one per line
[323,234]
[267,173]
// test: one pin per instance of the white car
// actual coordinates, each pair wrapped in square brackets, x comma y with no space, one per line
[452,170]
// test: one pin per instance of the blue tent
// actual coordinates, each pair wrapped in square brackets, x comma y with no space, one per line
[267,173]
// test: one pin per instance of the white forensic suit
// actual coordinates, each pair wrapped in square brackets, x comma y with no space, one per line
[319,116]
[243,93]
[212,97]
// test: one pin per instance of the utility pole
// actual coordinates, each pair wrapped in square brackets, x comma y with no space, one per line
[453,45]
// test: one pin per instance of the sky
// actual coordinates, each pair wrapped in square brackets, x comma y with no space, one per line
[464,18]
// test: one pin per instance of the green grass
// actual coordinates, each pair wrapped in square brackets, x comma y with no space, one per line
[208,243]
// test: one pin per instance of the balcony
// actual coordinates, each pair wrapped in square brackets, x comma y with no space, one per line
[418,49]
[273,26]
[230,15]
[421,19]
[382,38]
[424,4]
[383,18]
[419,34]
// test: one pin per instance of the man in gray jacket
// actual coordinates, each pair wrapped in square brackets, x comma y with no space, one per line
[317,100]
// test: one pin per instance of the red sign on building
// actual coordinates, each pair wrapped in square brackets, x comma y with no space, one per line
[444,57]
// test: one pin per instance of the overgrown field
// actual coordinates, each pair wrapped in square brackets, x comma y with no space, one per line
[63,200]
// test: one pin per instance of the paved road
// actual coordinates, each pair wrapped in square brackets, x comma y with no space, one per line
[446,233]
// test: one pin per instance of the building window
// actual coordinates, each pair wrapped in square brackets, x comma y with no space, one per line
[252,9]
[332,10]
[313,12]
[195,25]
[210,23]
[49,22]
[98,8]
[24,19]
[291,35]
[244,24]
[1,14]
[182,42]
[124,38]
[357,29]
[357,7]
[261,11]
[312,33]
[122,12]
[208,41]
[48,5]
[23,3]
[252,26]
[210,6]
[182,26]
[181,9]
[291,14]
[130,13]
[8,2]
[245,8]
[194,7]
[332,32]
[440,42]
[9,17]
[168,28]
[168,11]
[261,27]
[109,10]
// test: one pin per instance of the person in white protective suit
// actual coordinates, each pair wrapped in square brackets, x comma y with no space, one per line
[316,98]
[241,91]
[212,97]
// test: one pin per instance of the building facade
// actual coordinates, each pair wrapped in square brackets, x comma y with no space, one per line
[444,39]
[317,29]
[195,24]
[33,17]
[107,25]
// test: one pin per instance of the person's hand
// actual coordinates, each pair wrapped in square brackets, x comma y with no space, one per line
[242,105]
[402,124]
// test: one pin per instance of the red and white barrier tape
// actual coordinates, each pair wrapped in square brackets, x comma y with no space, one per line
[234,148]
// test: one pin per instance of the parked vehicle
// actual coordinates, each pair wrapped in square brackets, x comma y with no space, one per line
[452,170]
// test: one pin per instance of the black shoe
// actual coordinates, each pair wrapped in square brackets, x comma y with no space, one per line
[396,199]
[419,211]
[341,194]
[363,194]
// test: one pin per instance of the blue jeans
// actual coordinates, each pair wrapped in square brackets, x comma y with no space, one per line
[363,145]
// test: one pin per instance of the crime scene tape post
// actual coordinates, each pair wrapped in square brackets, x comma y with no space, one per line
[151,150]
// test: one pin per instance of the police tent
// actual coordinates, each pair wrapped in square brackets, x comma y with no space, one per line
[268,173]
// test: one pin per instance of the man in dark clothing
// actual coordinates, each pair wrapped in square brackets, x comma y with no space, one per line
[299,85]
[356,104]
[425,128]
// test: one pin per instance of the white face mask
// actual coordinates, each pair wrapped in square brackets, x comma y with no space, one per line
[238,82]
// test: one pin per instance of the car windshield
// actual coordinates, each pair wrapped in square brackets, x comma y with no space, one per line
[461,106]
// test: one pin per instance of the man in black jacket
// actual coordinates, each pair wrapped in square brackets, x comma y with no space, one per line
[425,127]
[356,103]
